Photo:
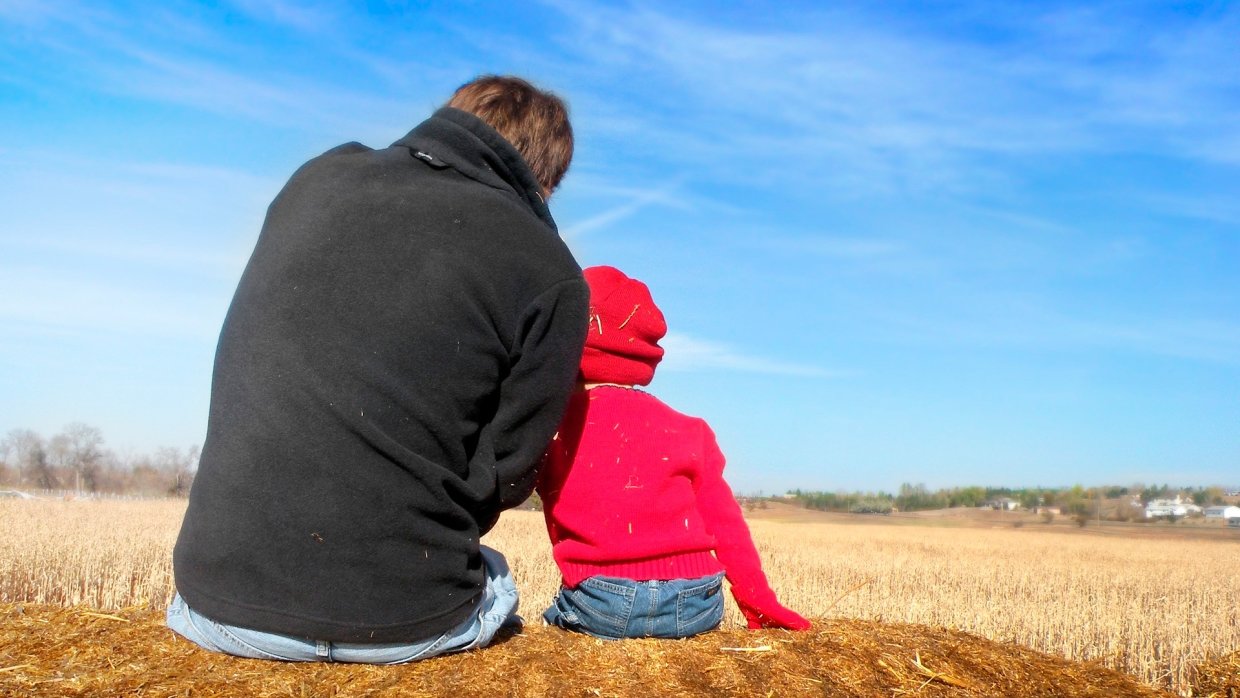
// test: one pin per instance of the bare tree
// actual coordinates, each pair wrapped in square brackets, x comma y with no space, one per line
[80,448]
[8,473]
[76,457]
[178,466]
[6,469]
[28,453]
[43,474]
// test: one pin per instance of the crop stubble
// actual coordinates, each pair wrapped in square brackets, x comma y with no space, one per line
[1154,608]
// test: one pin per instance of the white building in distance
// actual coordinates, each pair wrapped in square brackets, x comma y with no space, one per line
[1165,507]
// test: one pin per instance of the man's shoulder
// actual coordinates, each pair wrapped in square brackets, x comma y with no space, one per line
[338,154]
[330,162]
[347,149]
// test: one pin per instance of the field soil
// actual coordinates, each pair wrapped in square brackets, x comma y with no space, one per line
[54,651]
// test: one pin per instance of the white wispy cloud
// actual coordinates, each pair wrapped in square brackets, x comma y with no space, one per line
[270,98]
[1213,207]
[51,301]
[687,353]
[837,246]
[867,106]
[125,53]
[302,16]
[147,252]
[635,200]
[150,216]
[1014,321]
[1203,339]
[141,255]
[34,12]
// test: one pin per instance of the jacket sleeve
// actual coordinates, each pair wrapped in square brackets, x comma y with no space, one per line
[734,545]
[544,363]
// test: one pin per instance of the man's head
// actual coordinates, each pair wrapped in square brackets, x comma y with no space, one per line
[533,121]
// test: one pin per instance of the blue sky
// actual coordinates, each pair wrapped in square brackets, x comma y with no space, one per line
[949,243]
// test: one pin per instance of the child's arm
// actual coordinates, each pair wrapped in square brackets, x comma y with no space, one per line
[734,546]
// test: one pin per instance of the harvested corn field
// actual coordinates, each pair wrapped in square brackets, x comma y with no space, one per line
[1153,609]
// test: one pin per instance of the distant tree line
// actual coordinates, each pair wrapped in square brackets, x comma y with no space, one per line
[909,498]
[76,459]
[1075,500]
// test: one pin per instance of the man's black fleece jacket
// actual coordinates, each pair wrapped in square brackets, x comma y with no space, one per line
[398,353]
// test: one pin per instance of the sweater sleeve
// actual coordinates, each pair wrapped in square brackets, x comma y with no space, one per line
[544,363]
[734,545]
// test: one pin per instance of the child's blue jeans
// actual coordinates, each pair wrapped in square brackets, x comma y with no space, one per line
[497,607]
[614,608]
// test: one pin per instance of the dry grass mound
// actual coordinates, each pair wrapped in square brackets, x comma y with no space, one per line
[53,651]
[1219,678]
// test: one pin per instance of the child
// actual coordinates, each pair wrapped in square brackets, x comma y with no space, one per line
[634,495]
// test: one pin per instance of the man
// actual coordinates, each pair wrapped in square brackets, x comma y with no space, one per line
[397,355]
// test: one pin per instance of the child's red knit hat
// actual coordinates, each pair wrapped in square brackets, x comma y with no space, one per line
[622,344]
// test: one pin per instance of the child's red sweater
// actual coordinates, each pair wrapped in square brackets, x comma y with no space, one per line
[634,489]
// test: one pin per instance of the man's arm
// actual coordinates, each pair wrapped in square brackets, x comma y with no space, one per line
[545,358]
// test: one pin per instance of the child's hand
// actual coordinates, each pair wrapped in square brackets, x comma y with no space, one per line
[773,616]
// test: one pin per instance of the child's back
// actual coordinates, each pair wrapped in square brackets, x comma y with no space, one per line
[634,495]
[623,497]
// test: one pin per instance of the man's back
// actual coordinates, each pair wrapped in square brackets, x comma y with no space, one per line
[373,406]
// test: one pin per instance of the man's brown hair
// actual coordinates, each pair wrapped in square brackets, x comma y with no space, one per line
[533,121]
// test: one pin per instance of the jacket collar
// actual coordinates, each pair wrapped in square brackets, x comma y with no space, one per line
[460,140]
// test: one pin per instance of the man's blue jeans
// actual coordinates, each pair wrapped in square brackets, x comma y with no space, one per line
[614,608]
[497,608]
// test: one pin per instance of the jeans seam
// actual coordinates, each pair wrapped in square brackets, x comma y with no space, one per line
[439,642]
[581,602]
[714,582]
[710,612]
[579,611]
[226,633]
[654,592]
[685,625]
[609,587]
